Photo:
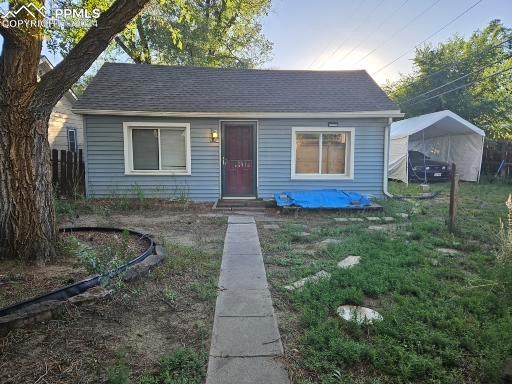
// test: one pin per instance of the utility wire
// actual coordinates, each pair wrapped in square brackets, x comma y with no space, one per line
[349,35]
[399,30]
[429,37]
[361,2]
[506,40]
[459,78]
[463,86]
[384,20]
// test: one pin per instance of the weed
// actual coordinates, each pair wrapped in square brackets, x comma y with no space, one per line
[170,295]
[205,291]
[139,192]
[183,366]
[121,372]
[102,260]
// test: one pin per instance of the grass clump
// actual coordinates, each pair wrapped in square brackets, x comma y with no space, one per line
[183,366]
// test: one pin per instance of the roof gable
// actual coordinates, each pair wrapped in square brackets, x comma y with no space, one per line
[157,88]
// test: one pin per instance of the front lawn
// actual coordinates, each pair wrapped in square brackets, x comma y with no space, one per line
[447,317]
[152,330]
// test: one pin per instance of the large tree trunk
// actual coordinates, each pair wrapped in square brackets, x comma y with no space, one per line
[27,216]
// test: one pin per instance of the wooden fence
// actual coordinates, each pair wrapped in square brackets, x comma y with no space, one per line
[494,153]
[68,173]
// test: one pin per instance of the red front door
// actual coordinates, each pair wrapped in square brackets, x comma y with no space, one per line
[238,159]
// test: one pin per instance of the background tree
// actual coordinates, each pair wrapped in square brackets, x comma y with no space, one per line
[27,215]
[486,100]
[216,33]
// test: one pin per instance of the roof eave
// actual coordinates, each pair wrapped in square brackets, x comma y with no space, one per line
[282,115]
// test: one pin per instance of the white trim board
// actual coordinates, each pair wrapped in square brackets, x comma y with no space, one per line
[246,115]
[319,176]
[128,154]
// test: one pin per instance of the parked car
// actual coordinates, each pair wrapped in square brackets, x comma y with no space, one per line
[423,168]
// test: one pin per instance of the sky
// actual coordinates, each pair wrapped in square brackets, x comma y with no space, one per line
[338,34]
[366,34]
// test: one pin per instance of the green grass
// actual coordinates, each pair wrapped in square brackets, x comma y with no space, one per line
[447,319]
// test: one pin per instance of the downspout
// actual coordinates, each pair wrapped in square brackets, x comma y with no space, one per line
[85,158]
[386,157]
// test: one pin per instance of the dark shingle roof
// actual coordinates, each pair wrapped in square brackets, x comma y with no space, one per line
[158,88]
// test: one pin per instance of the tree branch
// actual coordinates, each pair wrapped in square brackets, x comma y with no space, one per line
[135,57]
[55,83]
[146,53]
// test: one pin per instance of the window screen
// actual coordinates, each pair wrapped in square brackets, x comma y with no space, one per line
[145,149]
[308,153]
[173,146]
[333,153]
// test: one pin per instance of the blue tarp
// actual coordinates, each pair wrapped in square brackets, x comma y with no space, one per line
[324,198]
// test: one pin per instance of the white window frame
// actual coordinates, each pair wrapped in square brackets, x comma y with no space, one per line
[128,148]
[349,154]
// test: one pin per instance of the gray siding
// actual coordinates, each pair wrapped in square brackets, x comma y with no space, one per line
[105,159]
[275,143]
[105,162]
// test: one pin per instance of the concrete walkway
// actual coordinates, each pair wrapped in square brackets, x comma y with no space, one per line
[245,339]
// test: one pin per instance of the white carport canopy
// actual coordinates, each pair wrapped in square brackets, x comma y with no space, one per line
[443,136]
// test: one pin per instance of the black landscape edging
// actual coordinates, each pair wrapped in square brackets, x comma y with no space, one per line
[65,293]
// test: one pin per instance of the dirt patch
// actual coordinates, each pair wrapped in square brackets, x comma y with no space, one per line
[99,240]
[171,307]
[21,281]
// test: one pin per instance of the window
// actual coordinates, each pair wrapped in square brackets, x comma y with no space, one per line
[322,153]
[157,148]
[72,144]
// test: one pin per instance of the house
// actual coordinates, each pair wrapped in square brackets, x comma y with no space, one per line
[65,128]
[208,133]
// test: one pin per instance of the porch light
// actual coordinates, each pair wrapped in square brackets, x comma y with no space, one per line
[214,136]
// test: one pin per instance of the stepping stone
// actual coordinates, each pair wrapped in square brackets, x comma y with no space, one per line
[327,242]
[341,219]
[310,279]
[356,219]
[360,315]
[377,228]
[349,262]
[373,218]
[271,226]
[403,215]
[448,251]
[388,219]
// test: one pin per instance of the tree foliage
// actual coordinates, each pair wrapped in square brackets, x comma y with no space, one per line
[470,65]
[218,33]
